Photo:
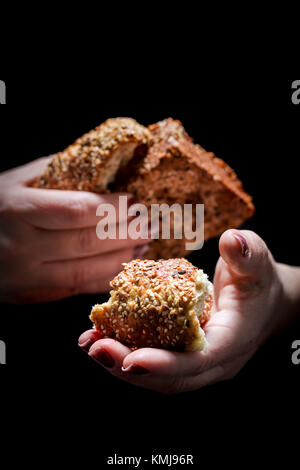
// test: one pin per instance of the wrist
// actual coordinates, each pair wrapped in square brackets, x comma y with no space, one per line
[289,305]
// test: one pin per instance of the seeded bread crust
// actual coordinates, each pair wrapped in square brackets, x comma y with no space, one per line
[163,304]
[175,170]
[157,165]
[82,165]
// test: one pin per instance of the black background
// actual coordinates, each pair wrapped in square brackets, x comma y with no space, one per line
[54,398]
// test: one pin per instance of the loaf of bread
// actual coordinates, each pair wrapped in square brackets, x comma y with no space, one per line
[175,170]
[158,164]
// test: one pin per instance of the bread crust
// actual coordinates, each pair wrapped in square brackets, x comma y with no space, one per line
[81,167]
[177,170]
[157,165]
[158,304]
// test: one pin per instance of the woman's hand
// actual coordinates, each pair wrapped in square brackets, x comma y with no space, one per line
[48,243]
[248,305]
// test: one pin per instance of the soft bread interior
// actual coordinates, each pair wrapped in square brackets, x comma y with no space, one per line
[203,289]
[120,158]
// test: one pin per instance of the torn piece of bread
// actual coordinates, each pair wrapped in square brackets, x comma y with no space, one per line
[158,165]
[161,304]
[92,162]
[177,171]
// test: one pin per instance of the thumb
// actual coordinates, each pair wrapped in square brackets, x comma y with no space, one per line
[246,254]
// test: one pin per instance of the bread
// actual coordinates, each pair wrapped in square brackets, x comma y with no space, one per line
[91,163]
[159,304]
[157,165]
[177,171]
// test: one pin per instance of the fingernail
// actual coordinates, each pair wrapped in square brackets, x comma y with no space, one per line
[103,357]
[135,369]
[86,345]
[139,251]
[243,243]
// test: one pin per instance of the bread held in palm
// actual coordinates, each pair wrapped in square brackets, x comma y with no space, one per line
[159,304]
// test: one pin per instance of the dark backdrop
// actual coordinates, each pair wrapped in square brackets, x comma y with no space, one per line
[54,397]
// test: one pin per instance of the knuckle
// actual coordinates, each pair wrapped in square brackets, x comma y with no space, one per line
[86,240]
[12,252]
[7,207]
[79,277]
[264,254]
[120,257]
[206,364]
[76,210]
[7,250]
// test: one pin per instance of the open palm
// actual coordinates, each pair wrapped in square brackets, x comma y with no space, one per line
[247,295]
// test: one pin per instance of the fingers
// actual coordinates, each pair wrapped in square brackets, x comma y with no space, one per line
[78,272]
[56,209]
[27,173]
[96,287]
[88,338]
[34,295]
[106,351]
[163,363]
[167,363]
[110,354]
[54,245]
[157,362]
[246,254]
[113,356]
[103,285]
